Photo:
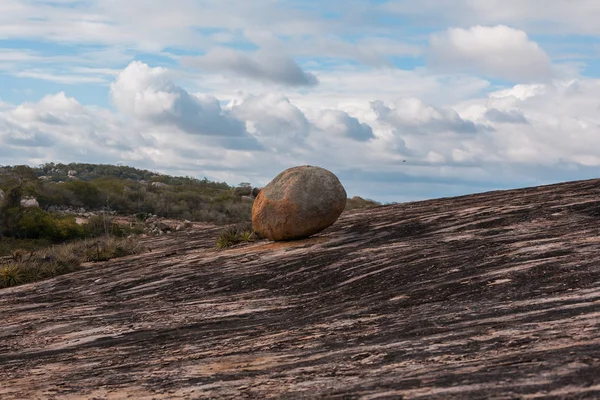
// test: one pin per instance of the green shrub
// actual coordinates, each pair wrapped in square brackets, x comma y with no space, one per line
[67,228]
[10,275]
[35,223]
[86,193]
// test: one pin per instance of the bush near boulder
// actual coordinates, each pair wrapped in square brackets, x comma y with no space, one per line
[236,234]
[35,223]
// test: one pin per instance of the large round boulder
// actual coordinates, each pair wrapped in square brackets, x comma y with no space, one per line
[298,203]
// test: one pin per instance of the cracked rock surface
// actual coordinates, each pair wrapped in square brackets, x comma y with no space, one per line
[494,295]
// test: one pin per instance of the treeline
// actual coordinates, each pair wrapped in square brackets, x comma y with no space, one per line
[111,189]
[125,190]
[18,222]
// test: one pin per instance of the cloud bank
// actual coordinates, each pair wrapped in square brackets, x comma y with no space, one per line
[265,66]
[486,142]
[498,52]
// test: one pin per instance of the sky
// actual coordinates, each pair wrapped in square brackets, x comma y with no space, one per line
[403,100]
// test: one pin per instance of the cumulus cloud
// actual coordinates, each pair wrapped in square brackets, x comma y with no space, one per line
[273,120]
[150,94]
[264,65]
[338,122]
[58,124]
[506,116]
[517,136]
[498,51]
[411,115]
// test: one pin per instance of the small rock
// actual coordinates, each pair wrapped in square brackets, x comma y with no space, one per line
[164,226]
[29,203]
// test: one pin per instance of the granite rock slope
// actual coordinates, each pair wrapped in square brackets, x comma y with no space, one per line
[495,295]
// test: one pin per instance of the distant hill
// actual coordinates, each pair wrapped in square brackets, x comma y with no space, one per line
[126,190]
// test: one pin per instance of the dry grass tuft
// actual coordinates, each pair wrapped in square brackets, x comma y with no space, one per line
[236,234]
[26,267]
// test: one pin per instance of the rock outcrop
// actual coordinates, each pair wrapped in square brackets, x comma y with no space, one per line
[29,203]
[487,296]
[298,203]
[1,196]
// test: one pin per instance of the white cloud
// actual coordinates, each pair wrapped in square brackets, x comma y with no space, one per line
[160,25]
[498,51]
[59,124]
[17,55]
[508,116]
[264,65]
[149,94]
[58,77]
[74,69]
[411,115]
[338,122]
[469,145]
[273,120]
[376,50]
[539,16]
[562,123]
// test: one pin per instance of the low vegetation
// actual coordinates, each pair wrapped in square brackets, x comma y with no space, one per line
[236,234]
[124,190]
[357,202]
[26,266]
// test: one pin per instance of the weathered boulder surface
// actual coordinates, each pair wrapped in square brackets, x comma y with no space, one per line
[1,196]
[298,203]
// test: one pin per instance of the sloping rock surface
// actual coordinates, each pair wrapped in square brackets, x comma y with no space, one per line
[495,295]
